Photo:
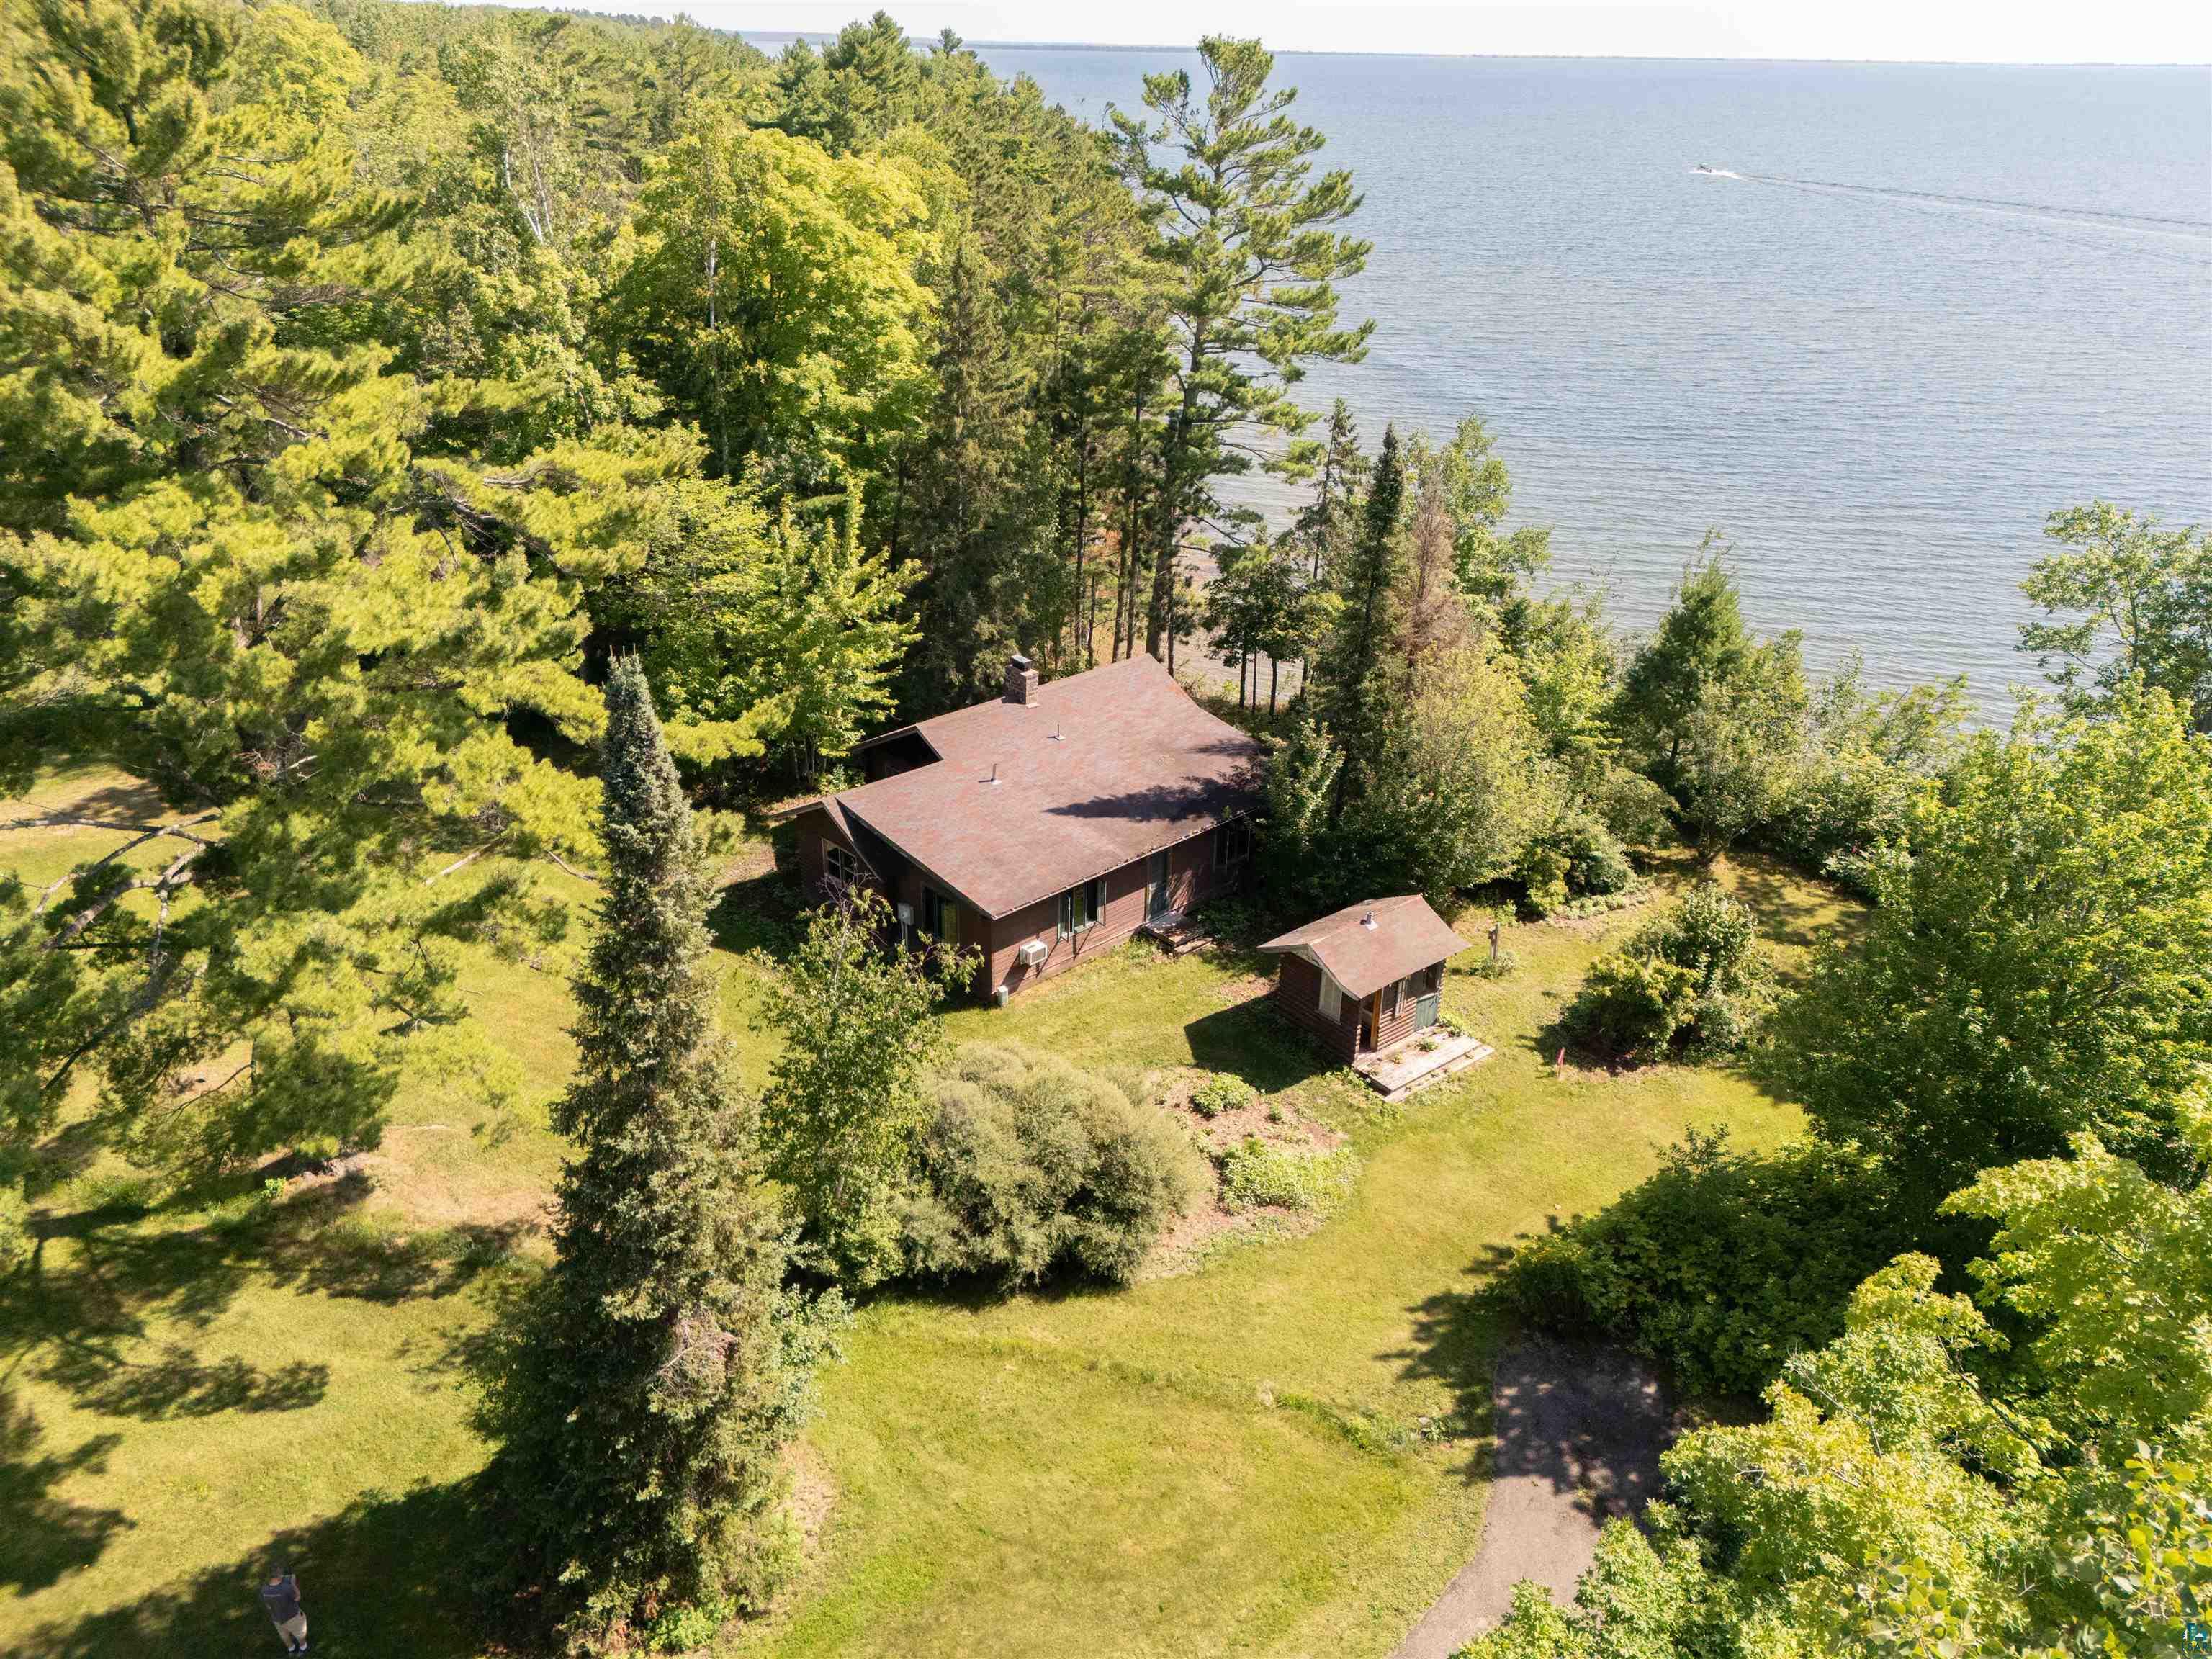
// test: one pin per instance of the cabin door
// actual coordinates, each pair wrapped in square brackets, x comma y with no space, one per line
[1157,905]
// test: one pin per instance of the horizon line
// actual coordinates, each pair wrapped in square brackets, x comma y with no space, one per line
[1500,57]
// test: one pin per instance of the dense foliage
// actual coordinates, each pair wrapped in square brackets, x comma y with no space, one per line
[376,381]
[1722,1265]
[847,1094]
[2022,1028]
[2140,600]
[2040,963]
[1028,1164]
[1692,977]
[650,1382]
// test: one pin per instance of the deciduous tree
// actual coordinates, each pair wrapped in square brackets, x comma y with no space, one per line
[2142,597]
[846,1095]
[2036,966]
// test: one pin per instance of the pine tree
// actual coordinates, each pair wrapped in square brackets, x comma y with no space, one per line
[1325,527]
[1242,233]
[660,1367]
[253,561]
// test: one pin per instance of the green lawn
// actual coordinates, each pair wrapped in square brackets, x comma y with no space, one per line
[1280,1454]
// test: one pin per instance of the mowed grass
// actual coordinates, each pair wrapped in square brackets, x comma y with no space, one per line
[1280,1454]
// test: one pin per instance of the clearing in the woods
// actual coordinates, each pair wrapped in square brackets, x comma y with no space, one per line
[1281,1450]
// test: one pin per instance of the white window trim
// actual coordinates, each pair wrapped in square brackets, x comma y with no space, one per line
[1332,997]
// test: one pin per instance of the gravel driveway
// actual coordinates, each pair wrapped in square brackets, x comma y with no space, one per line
[1579,1434]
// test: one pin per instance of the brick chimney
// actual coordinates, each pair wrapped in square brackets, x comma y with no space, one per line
[1021,680]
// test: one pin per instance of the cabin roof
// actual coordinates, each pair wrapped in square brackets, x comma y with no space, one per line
[1093,772]
[1365,947]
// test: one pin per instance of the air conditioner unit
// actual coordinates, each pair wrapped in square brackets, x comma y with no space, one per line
[1033,953]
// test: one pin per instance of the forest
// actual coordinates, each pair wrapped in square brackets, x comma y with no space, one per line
[465,468]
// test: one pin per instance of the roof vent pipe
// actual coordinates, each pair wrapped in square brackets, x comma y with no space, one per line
[993,778]
[1368,921]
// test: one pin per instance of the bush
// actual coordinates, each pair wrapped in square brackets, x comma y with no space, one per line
[1574,856]
[1722,1265]
[1222,1093]
[1028,1163]
[1692,977]
[1544,873]
[1272,1174]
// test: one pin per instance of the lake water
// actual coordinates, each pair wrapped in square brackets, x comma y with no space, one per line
[1932,305]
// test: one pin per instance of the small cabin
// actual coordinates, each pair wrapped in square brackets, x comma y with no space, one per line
[1367,977]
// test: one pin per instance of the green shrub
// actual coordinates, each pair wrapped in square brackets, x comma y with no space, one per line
[1272,1175]
[1574,857]
[1691,977]
[1029,1164]
[1722,1265]
[1222,1093]
[1544,873]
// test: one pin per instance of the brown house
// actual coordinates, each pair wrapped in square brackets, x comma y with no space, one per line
[1368,976]
[1045,827]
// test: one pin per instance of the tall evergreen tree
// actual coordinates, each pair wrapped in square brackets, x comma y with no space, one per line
[1329,520]
[1245,236]
[1714,717]
[1368,585]
[660,1367]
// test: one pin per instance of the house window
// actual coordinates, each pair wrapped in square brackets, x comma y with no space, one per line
[842,865]
[940,917]
[1332,1000]
[1232,843]
[1079,908]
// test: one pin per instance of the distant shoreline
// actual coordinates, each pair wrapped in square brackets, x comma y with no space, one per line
[820,38]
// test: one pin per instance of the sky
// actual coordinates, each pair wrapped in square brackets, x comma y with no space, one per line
[1971,31]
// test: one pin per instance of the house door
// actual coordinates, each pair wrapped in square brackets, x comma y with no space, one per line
[1157,905]
[1425,1009]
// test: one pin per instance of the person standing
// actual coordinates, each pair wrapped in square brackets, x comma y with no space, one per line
[280,1594]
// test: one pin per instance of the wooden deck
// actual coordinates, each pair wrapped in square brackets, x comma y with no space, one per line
[1180,933]
[1406,1067]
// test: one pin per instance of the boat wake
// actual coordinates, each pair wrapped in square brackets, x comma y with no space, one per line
[2174,241]
[2200,228]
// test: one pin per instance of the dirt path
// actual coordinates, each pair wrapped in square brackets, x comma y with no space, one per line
[1579,1435]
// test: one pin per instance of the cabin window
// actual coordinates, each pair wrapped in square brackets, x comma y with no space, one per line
[1079,908]
[1331,999]
[1232,843]
[940,917]
[842,865]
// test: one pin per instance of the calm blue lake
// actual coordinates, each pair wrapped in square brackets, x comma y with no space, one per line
[1935,304]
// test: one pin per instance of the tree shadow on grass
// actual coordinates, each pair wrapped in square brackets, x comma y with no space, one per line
[1791,908]
[85,1315]
[1457,1335]
[42,1537]
[757,913]
[386,1576]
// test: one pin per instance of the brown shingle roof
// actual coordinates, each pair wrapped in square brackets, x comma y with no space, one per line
[1136,766]
[1406,936]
